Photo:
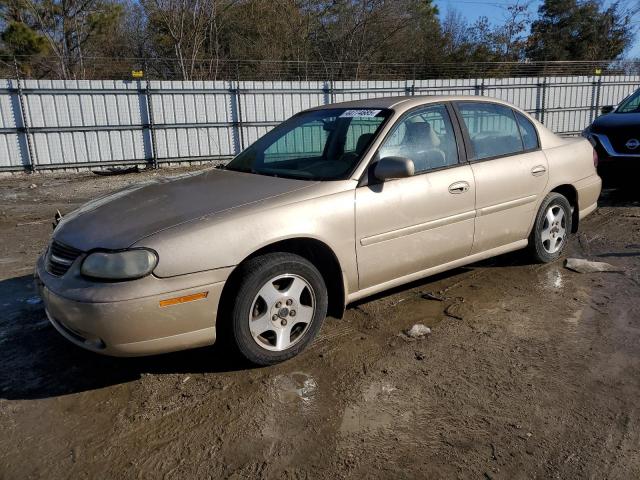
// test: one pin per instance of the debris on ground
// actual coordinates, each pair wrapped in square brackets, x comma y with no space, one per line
[581,265]
[433,296]
[419,355]
[418,331]
[35,222]
[452,311]
[117,171]
[33,185]
[56,219]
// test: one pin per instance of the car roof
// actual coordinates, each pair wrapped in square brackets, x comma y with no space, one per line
[404,102]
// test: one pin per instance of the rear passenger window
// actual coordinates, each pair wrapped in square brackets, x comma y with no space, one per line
[528,132]
[492,128]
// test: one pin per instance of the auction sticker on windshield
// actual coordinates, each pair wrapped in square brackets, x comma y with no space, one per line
[359,113]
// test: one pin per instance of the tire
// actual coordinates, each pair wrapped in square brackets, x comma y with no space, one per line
[279,308]
[551,230]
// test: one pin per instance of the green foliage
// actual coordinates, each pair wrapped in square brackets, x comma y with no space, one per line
[579,30]
[20,39]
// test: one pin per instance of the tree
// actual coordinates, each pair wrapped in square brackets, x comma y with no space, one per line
[69,30]
[186,30]
[483,42]
[579,30]
[510,39]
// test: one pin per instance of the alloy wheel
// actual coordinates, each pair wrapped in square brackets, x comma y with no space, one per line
[282,312]
[554,229]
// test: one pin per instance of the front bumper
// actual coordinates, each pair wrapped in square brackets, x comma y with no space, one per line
[119,323]
[613,163]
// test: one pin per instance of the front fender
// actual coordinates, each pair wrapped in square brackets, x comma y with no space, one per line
[225,240]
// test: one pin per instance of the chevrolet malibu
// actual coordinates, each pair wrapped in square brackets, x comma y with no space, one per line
[333,205]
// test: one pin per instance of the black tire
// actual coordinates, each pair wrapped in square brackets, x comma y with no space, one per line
[252,276]
[537,249]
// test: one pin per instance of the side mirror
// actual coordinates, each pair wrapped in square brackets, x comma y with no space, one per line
[607,109]
[393,167]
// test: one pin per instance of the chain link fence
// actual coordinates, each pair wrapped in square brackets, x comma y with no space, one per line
[122,68]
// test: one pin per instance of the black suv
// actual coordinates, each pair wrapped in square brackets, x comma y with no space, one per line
[616,137]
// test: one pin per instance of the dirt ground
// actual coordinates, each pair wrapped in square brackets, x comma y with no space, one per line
[531,371]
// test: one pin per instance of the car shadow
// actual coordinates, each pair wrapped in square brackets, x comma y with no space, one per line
[37,362]
[620,196]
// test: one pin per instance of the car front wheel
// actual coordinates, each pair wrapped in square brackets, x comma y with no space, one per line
[279,307]
[552,228]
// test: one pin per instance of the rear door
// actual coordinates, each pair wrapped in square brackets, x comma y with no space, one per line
[407,225]
[509,169]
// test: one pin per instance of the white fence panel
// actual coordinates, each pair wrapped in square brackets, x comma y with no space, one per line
[57,123]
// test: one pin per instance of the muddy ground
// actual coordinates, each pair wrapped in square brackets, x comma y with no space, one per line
[531,371]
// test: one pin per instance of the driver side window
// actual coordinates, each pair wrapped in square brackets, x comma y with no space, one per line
[425,136]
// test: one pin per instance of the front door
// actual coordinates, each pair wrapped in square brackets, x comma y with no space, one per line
[407,225]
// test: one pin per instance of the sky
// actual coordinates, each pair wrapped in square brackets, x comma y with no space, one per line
[495,11]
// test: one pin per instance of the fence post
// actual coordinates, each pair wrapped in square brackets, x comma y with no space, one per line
[408,89]
[541,100]
[239,104]
[413,80]
[239,107]
[25,123]
[595,98]
[326,92]
[150,126]
[480,88]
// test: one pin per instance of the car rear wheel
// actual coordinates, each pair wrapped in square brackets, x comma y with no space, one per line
[279,307]
[552,228]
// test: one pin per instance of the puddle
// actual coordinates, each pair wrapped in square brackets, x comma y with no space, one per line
[411,311]
[34,300]
[374,412]
[294,387]
[553,278]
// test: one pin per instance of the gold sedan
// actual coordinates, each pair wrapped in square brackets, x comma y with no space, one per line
[335,204]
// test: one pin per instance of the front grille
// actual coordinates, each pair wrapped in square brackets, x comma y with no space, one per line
[60,258]
[619,140]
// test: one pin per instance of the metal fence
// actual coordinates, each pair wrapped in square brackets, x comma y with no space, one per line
[48,124]
[73,67]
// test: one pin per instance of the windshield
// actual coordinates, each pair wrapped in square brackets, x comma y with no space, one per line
[631,104]
[322,144]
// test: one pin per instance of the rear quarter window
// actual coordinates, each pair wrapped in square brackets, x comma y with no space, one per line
[528,132]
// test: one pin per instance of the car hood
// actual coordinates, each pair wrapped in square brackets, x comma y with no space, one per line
[120,219]
[611,121]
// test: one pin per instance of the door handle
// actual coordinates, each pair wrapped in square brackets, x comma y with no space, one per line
[458,187]
[538,170]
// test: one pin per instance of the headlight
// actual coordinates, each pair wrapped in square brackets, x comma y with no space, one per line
[129,264]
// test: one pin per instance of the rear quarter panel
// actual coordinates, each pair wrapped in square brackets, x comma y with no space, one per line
[571,163]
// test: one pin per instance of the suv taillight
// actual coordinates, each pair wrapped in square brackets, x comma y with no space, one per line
[595,158]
